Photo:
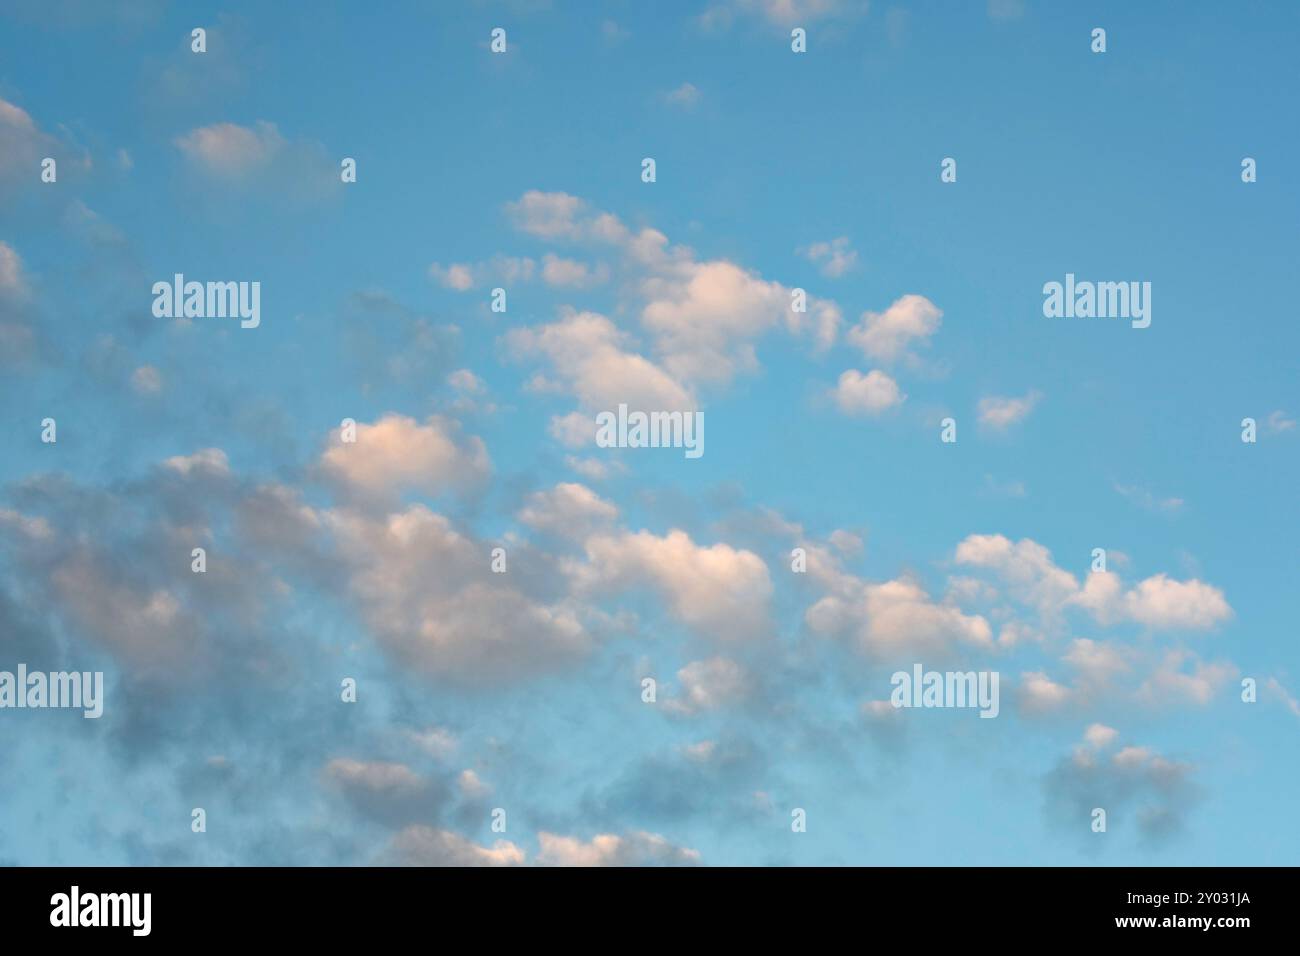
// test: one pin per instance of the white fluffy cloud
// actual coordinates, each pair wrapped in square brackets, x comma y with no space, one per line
[888,336]
[870,394]
[896,617]
[590,354]
[719,591]
[398,453]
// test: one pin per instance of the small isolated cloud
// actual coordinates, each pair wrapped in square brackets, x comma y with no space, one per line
[870,394]
[146,380]
[834,258]
[687,96]
[231,151]
[888,336]
[999,412]
[1144,498]
[1278,422]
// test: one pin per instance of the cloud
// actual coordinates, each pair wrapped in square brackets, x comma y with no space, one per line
[1039,694]
[777,13]
[870,394]
[260,157]
[390,793]
[570,273]
[1164,604]
[591,356]
[464,276]
[23,145]
[147,380]
[686,96]
[1145,499]
[896,617]
[889,335]
[633,849]
[704,317]
[1277,422]
[719,591]
[397,453]
[1173,682]
[1134,785]
[1003,412]
[13,284]
[710,685]
[464,623]
[836,257]
[1157,602]
[421,845]
[1025,565]
[568,510]
[232,151]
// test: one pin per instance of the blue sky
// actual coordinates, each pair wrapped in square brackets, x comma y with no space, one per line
[522,691]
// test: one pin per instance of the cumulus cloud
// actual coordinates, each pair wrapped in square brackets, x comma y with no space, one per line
[398,453]
[896,617]
[1002,412]
[704,317]
[870,394]
[591,355]
[1033,578]
[462,623]
[719,591]
[890,335]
